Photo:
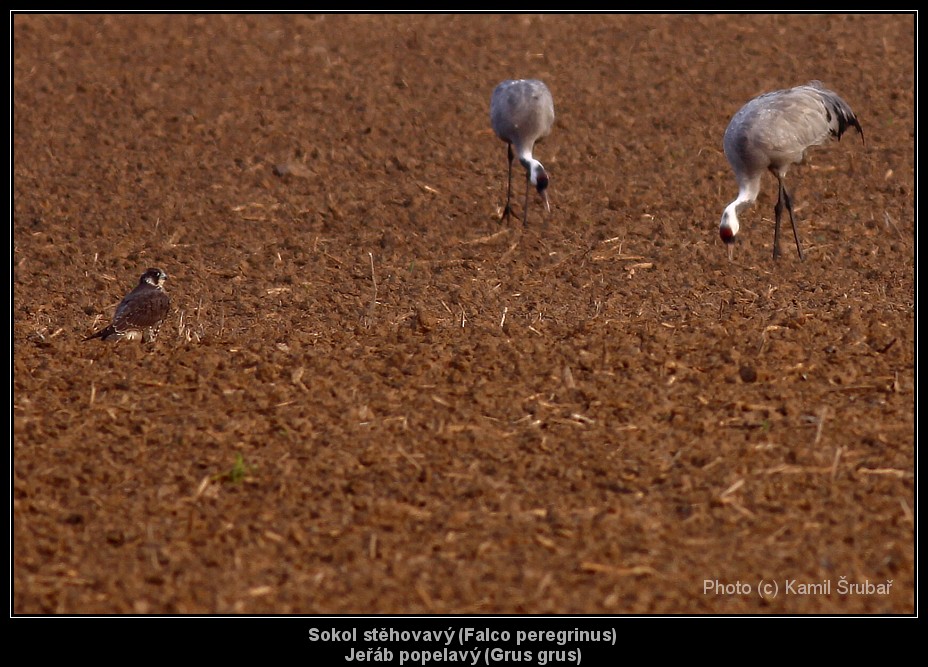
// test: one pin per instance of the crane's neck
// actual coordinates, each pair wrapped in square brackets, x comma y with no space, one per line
[532,166]
[747,194]
[748,189]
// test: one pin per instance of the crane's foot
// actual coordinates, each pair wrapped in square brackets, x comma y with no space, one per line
[507,214]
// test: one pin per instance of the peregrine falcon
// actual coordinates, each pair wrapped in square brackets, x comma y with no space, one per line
[141,312]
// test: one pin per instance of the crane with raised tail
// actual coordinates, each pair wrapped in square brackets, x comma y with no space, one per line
[772,132]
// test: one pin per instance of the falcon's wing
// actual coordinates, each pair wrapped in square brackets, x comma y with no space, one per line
[143,310]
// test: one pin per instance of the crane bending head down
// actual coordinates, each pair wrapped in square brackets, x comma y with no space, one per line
[772,132]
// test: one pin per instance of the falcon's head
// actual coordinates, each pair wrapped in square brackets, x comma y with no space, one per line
[154,277]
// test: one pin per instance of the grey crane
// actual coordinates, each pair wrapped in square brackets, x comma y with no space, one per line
[522,114]
[772,132]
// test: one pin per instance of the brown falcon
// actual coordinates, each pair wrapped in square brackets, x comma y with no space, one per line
[141,312]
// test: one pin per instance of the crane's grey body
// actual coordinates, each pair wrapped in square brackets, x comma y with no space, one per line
[772,132]
[522,113]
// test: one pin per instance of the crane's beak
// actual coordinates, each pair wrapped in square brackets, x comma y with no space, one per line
[728,237]
[542,187]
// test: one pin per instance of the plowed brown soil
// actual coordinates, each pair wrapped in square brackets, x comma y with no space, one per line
[371,396]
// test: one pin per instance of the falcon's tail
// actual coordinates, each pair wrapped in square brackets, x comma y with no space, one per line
[103,333]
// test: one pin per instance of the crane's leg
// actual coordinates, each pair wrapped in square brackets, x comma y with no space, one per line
[792,221]
[528,189]
[507,212]
[783,199]
[778,214]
